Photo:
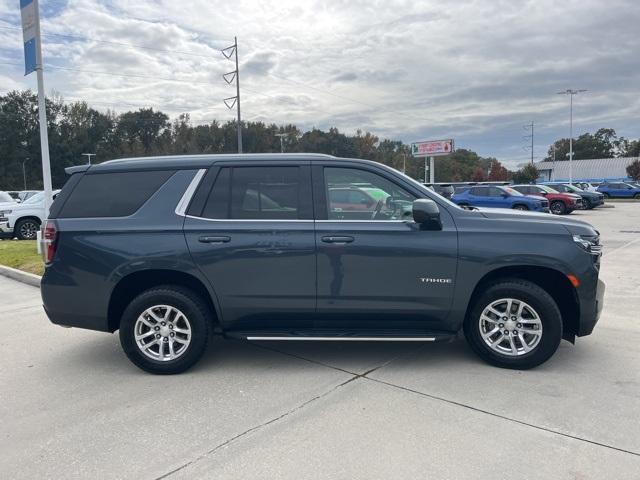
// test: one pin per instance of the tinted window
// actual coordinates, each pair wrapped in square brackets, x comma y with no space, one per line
[261,193]
[371,196]
[495,192]
[112,194]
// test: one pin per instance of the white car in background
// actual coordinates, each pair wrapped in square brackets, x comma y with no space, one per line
[23,220]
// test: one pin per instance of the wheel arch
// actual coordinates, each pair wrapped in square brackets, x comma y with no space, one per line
[131,285]
[562,292]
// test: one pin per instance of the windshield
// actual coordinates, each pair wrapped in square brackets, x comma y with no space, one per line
[547,189]
[35,199]
[5,197]
[512,191]
[573,189]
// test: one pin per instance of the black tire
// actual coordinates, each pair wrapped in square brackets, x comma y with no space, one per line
[463,205]
[520,207]
[536,297]
[637,196]
[187,302]
[587,204]
[606,195]
[26,229]
[558,208]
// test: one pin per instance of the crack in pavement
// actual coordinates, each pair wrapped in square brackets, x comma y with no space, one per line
[257,427]
[355,376]
[497,415]
[364,375]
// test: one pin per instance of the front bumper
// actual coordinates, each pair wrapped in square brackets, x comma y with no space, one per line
[590,309]
[5,230]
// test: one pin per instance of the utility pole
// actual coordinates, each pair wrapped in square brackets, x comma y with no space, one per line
[281,135]
[229,77]
[571,93]
[89,155]
[404,163]
[530,126]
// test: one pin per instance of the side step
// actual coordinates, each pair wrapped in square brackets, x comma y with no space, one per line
[335,336]
[347,339]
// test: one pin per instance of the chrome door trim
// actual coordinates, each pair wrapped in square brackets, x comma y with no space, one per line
[181,208]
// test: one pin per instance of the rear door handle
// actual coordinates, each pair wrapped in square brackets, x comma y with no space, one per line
[208,239]
[337,239]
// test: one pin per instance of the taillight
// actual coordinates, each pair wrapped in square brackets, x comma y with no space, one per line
[49,237]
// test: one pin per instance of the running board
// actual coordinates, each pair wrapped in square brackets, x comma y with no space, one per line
[347,339]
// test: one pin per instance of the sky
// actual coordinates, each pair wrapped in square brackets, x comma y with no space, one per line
[476,71]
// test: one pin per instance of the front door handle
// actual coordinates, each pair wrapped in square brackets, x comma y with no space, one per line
[337,239]
[208,239]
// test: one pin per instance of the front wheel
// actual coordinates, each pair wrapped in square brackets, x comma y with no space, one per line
[164,330]
[514,324]
[520,207]
[558,208]
[27,229]
[637,196]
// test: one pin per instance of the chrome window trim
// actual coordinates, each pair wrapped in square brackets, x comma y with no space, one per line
[181,208]
[295,220]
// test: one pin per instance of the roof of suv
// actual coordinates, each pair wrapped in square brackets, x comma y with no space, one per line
[199,161]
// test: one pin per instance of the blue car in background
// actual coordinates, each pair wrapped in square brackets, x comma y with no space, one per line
[619,190]
[499,197]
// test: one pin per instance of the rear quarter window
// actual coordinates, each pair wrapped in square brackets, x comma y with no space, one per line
[117,194]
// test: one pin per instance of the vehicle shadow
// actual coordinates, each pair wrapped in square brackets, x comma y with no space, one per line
[100,353]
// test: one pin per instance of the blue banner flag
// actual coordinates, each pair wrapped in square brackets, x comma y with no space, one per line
[30,37]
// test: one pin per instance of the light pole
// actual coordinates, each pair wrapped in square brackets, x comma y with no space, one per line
[24,172]
[89,155]
[281,135]
[571,93]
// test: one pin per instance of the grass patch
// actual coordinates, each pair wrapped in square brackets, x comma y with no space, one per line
[21,254]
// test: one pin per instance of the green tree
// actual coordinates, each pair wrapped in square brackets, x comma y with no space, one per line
[527,174]
[633,170]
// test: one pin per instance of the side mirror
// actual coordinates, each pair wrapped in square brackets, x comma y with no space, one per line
[426,211]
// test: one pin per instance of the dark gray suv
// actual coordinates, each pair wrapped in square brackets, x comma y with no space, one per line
[168,250]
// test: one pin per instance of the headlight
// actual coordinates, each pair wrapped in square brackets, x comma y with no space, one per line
[589,243]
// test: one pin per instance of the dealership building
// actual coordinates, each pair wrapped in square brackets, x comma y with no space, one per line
[592,170]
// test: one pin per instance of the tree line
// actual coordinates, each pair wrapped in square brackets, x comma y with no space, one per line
[76,128]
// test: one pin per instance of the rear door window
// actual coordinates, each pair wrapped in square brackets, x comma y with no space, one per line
[117,194]
[259,193]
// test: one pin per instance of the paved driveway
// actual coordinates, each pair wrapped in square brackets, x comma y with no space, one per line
[72,406]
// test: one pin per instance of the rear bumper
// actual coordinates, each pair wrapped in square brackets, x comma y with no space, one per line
[66,306]
[590,309]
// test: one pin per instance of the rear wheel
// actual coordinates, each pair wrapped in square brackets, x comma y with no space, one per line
[587,204]
[27,229]
[606,195]
[164,330]
[558,208]
[520,207]
[514,324]
[637,196]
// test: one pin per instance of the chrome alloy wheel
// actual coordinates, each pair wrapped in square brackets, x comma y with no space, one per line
[510,327]
[29,230]
[162,332]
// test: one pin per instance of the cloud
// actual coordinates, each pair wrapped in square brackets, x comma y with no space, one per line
[475,70]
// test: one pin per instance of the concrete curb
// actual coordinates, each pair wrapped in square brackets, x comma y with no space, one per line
[20,276]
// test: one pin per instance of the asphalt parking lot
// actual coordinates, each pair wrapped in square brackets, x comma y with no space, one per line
[73,406]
